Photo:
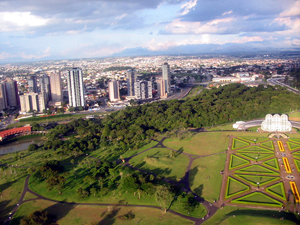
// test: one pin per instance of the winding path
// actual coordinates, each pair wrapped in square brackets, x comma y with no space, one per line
[211,208]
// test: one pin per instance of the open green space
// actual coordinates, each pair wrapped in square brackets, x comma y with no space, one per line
[225,127]
[162,161]
[268,144]
[257,169]
[236,161]
[293,146]
[231,215]
[256,179]
[257,149]
[201,143]
[295,116]
[234,187]
[257,198]
[277,190]
[84,214]
[272,163]
[236,143]
[131,153]
[11,186]
[205,178]
[255,156]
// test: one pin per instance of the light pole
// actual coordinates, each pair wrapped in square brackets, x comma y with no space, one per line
[256,159]
[257,184]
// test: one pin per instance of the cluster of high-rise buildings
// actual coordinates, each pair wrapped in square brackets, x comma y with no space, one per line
[141,89]
[43,91]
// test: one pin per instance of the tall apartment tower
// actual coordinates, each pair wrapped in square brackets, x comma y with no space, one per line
[143,89]
[161,87]
[131,78]
[12,93]
[3,98]
[32,101]
[166,76]
[113,90]
[56,87]
[45,87]
[75,87]
[32,84]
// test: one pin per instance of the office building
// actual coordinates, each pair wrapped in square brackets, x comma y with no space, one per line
[143,89]
[56,87]
[161,87]
[113,90]
[45,87]
[131,78]
[75,87]
[166,76]
[3,98]
[12,93]
[32,84]
[32,101]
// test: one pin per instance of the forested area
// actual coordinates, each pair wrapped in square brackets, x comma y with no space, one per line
[130,128]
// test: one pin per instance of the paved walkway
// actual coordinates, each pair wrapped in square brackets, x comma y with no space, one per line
[211,208]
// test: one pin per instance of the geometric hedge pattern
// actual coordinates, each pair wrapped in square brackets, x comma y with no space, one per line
[277,190]
[293,146]
[235,187]
[258,198]
[255,165]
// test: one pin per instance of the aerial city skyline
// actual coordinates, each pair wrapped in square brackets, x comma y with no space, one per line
[52,30]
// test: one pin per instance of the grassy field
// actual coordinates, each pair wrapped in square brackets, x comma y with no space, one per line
[234,216]
[11,185]
[79,214]
[224,127]
[133,152]
[200,144]
[294,116]
[161,162]
[205,178]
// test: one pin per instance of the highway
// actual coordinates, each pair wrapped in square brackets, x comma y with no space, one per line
[276,81]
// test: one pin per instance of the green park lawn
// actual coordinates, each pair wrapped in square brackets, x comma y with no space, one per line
[11,186]
[205,178]
[161,162]
[84,214]
[133,152]
[224,127]
[230,215]
[200,144]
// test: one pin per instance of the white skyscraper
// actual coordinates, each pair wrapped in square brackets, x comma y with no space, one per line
[32,101]
[75,87]
[166,76]
[143,89]
[113,90]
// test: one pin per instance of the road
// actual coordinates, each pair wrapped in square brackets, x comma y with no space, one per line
[276,81]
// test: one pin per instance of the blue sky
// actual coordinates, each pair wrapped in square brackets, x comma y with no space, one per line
[61,29]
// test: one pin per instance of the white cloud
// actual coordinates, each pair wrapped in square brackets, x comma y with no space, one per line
[294,10]
[227,13]
[186,27]
[154,45]
[10,21]
[188,6]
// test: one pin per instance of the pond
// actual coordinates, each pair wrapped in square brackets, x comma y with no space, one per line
[21,145]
